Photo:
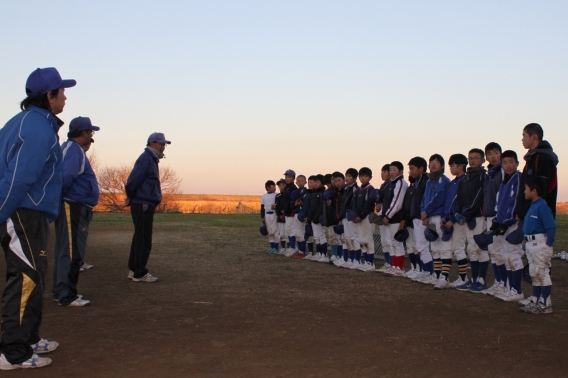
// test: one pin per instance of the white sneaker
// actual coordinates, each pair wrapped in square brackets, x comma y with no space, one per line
[511,296]
[44,346]
[147,278]
[290,252]
[86,266]
[339,262]
[33,362]
[370,267]
[411,273]
[309,256]
[500,290]
[525,302]
[457,282]
[383,268]
[282,251]
[442,284]
[564,255]
[333,258]
[491,289]
[130,275]
[78,303]
[347,264]
[323,259]
[397,272]
[355,264]
[420,276]
[428,279]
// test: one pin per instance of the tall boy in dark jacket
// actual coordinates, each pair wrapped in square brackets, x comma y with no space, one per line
[363,204]
[315,216]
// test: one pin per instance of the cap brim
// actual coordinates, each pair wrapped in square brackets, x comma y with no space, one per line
[94,128]
[68,83]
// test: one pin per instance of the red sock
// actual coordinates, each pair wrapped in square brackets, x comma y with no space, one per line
[394,261]
[401,262]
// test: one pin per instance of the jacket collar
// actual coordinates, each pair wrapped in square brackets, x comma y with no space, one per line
[56,123]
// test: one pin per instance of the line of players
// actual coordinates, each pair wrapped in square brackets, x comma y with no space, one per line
[487,213]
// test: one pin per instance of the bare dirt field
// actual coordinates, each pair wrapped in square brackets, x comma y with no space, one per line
[222,308]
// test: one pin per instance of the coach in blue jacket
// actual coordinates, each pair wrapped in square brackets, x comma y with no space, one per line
[80,194]
[143,194]
[30,188]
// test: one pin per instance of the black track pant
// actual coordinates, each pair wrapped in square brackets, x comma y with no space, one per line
[24,240]
[143,219]
[71,232]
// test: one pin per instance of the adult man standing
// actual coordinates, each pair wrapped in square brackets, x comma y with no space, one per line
[143,194]
[541,161]
[80,194]
[30,188]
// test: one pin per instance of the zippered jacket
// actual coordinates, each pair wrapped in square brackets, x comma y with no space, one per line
[330,216]
[469,200]
[507,199]
[495,176]
[363,202]
[316,206]
[393,198]
[143,184]
[435,196]
[346,197]
[30,163]
[79,180]
[451,195]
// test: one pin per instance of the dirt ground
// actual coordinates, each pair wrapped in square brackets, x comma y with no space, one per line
[222,308]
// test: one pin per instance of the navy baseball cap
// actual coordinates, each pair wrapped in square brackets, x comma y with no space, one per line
[158,138]
[290,172]
[401,235]
[483,240]
[82,123]
[339,229]
[430,233]
[517,236]
[44,80]
[263,230]
[447,233]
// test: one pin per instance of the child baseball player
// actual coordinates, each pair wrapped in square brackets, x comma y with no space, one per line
[504,223]
[469,203]
[495,176]
[330,216]
[298,197]
[431,210]
[453,233]
[288,205]
[363,205]
[385,176]
[280,218]
[539,228]
[315,216]
[302,216]
[345,205]
[268,215]
[417,245]
[392,215]
[338,180]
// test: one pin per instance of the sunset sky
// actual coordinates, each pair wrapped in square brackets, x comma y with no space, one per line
[248,89]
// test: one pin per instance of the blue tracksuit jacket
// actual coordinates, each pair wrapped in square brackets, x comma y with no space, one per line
[435,196]
[30,163]
[79,180]
[450,203]
[507,200]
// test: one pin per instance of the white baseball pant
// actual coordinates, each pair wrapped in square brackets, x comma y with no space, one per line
[495,252]
[364,231]
[421,244]
[539,255]
[473,251]
[395,247]
[456,245]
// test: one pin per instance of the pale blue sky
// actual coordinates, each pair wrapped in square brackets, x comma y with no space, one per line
[248,89]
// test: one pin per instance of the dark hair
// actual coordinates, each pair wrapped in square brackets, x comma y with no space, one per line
[268,183]
[458,159]
[397,164]
[352,172]
[297,177]
[365,172]
[312,178]
[510,154]
[337,174]
[534,128]
[319,178]
[41,101]
[536,183]
[477,151]
[385,168]
[493,146]
[75,133]
[327,179]
[419,162]
[438,157]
